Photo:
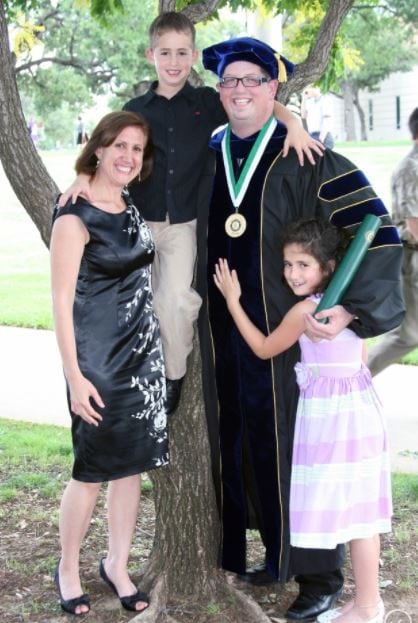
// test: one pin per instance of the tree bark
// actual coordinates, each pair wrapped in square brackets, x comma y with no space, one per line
[183,567]
[25,170]
[349,111]
[187,530]
[361,114]
[195,12]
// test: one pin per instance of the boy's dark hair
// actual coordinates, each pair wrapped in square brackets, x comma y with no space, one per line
[171,21]
[413,124]
[321,240]
[106,132]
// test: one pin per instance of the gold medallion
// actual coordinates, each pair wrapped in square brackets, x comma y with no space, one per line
[235,225]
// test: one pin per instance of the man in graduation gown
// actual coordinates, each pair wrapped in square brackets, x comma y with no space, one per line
[251,409]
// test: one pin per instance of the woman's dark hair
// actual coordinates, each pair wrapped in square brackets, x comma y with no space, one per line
[106,132]
[321,240]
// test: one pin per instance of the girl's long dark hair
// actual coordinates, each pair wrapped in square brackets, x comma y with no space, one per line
[321,240]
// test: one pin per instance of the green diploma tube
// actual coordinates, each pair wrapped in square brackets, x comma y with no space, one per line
[350,263]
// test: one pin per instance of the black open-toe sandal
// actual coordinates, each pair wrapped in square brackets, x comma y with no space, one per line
[69,605]
[129,602]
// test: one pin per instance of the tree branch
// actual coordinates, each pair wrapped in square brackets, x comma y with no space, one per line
[314,66]
[195,12]
[52,59]
[91,71]
[23,167]
[202,10]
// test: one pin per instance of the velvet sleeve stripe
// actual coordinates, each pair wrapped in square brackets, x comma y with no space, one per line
[386,236]
[350,217]
[354,213]
[343,185]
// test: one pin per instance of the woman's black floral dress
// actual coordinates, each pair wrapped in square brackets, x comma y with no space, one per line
[118,347]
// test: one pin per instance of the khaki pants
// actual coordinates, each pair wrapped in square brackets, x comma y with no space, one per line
[404,338]
[176,304]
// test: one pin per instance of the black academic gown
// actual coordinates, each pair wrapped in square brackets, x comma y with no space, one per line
[251,408]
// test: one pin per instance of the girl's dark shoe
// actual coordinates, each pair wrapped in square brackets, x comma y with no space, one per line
[70,605]
[129,602]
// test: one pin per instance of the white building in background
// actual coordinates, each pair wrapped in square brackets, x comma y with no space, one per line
[386,110]
[267,28]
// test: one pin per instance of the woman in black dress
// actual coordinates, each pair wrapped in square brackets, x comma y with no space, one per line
[109,340]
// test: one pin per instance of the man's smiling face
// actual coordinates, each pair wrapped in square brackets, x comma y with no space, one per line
[250,106]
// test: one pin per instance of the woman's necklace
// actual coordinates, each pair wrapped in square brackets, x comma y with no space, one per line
[236,224]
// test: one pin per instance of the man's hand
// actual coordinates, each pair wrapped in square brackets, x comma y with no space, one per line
[338,319]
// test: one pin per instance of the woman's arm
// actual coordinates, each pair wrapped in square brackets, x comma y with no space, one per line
[265,347]
[301,141]
[69,237]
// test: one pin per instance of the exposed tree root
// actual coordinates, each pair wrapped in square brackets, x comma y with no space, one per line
[252,611]
[233,603]
[158,601]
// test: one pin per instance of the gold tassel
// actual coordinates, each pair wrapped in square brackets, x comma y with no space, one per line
[282,71]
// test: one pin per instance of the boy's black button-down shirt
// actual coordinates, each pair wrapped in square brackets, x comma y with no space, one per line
[181,128]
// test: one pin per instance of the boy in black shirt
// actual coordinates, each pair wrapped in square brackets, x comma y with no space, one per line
[182,119]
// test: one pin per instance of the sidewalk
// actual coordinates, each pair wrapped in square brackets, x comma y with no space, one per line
[33,389]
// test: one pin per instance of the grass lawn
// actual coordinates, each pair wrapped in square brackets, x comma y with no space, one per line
[24,262]
[36,456]
[35,464]
[24,259]
[25,300]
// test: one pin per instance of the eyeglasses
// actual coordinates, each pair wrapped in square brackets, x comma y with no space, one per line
[247,81]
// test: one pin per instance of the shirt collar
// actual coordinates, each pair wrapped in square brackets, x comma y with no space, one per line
[187,92]
[241,146]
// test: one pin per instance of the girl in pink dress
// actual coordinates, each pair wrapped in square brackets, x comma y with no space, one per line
[340,484]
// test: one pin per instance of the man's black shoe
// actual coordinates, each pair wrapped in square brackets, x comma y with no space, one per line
[173,395]
[258,576]
[307,606]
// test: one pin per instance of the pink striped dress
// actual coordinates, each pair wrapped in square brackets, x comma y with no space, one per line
[340,484]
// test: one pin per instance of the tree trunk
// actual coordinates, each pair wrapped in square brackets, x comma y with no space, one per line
[187,527]
[361,114]
[25,170]
[348,98]
[183,568]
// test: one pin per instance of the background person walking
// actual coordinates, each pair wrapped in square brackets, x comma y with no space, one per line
[403,339]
